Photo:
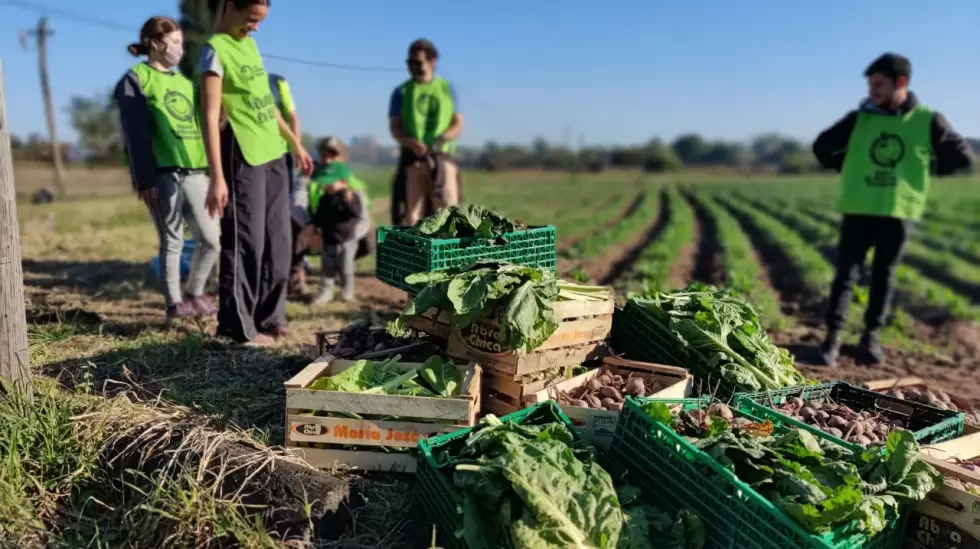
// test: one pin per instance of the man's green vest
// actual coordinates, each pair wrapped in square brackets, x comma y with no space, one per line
[886,170]
[177,141]
[427,111]
[325,175]
[247,99]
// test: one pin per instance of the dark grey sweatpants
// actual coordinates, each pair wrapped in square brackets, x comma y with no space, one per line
[255,245]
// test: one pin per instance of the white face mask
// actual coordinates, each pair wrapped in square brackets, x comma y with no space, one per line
[172,54]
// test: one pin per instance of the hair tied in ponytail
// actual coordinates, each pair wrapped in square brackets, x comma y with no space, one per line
[138,50]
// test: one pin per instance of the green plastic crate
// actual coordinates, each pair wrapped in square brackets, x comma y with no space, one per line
[632,337]
[438,498]
[929,425]
[400,253]
[737,516]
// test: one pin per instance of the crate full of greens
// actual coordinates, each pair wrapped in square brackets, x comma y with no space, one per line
[370,414]
[457,236]
[761,484]
[854,414]
[714,333]
[526,481]
[514,319]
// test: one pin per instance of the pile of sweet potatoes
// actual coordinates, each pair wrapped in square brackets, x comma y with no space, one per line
[607,391]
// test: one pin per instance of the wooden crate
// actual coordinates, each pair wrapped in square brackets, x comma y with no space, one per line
[503,394]
[598,426]
[418,416]
[581,336]
[949,517]
[964,404]
[433,322]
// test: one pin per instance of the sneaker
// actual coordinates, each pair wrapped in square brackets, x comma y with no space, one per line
[297,282]
[204,306]
[830,349]
[325,296]
[871,350]
[347,296]
[184,309]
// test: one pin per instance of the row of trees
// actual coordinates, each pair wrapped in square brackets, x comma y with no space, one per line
[767,152]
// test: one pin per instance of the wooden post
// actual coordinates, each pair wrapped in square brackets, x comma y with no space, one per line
[14,361]
[40,35]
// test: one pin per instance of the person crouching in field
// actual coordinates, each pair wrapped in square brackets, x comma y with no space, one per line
[332,212]
[254,199]
[167,161]
[885,152]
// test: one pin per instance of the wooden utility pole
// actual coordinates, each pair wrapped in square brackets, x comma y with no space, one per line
[14,362]
[40,36]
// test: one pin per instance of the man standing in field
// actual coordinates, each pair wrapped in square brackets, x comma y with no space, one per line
[885,152]
[424,119]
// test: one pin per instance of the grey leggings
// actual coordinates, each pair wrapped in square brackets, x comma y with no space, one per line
[181,195]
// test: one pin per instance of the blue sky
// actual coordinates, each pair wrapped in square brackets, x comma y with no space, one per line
[564,70]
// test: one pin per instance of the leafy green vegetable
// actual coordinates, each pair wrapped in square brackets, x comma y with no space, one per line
[720,332]
[537,488]
[466,221]
[435,377]
[521,295]
[821,485]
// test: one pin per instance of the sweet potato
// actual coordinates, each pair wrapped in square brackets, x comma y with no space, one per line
[611,392]
[579,403]
[721,410]
[594,384]
[635,387]
[593,401]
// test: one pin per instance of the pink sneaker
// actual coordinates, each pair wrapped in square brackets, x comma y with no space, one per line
[202,305]
[184,309]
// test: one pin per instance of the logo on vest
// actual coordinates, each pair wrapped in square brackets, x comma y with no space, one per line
[178,106]
[251,72]
[887,151]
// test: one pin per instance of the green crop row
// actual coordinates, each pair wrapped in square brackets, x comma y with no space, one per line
[743,271]
[589,220]
[652,267]
[626,229]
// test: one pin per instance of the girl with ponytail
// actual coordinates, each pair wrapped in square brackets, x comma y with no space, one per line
[168,163]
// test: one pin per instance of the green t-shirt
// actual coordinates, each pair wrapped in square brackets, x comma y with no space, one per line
[177,141]
[247,99]
[886,170]
[427,110]
[328,174]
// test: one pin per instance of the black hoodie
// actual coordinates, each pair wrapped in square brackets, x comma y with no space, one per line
[951,152]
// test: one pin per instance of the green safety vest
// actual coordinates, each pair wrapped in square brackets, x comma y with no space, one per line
[886,170]
[325,175]
[177,141]
[427,111]
[247,99]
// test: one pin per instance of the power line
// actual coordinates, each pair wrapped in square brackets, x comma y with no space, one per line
[114,25]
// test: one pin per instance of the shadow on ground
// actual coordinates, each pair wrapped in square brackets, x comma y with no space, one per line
[109,279]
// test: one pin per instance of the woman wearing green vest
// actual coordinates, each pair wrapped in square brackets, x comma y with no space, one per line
[243,136]
[168,163]
[885,152]
[424,118]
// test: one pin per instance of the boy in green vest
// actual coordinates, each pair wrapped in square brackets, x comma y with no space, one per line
[885,152]
[424,119]
[331,213]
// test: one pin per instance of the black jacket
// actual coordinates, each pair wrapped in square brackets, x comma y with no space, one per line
[951,152]
[337,215]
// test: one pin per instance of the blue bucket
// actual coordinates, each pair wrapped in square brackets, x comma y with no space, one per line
[186,255]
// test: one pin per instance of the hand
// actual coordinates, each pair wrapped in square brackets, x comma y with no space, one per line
[149,197]
[304,238]
[217,197]
[418,147]
[305,162]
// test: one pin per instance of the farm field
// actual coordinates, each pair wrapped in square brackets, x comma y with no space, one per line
[96,317]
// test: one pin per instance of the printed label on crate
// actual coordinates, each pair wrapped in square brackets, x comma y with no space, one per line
[331,430]
[925,532]
[597,426]
[485,338]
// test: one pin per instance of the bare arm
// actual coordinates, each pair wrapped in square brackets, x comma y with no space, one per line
[398,131]
[211,121]
[455,128]
[292,120]
[287,133]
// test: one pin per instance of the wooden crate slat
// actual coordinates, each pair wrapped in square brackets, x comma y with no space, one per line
[361,432]
[361,461]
